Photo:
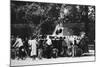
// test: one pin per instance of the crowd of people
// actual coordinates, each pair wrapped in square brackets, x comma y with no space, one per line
[47,46]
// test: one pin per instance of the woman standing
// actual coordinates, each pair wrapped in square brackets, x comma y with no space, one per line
[33,44]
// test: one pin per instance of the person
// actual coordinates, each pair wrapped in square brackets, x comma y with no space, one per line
[33,43]
[49,47]
[76,50]
[29,44]
[49,42]
[40,48]
[26,45]
[13,52]
[12,40]
[83,44]
[18,42]
[18,45]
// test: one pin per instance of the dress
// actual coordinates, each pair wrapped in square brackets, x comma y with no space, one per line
[33,44]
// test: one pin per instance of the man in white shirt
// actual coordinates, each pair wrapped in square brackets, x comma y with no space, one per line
[18,46]
[18,42]
[49,47]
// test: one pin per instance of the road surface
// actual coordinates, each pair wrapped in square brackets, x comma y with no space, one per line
[30,61]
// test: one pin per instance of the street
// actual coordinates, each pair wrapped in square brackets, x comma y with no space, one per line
[28,61]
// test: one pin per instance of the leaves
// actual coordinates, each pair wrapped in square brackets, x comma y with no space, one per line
[38,14]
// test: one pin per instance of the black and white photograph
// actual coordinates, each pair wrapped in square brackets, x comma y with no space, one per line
[51,33]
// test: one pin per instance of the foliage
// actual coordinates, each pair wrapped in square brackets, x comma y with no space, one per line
[37,15]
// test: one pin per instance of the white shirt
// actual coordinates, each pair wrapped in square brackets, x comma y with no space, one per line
[19,42]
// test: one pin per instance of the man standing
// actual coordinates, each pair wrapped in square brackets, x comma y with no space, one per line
[18,44]
[84,43]
[49,47]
